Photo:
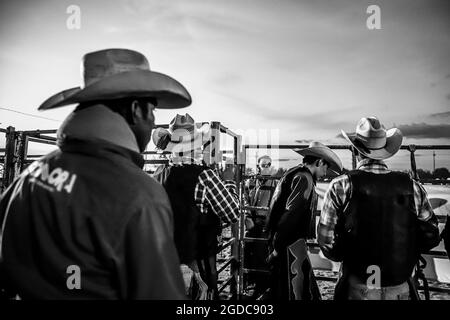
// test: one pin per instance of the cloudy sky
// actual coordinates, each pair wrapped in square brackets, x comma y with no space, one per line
[296,70]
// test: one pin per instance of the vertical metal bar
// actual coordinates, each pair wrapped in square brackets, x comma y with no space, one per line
[22,151]
[412,149]
[353,160]
[241,242]
[9,162]
[241,222]
[235,228]
[215,154]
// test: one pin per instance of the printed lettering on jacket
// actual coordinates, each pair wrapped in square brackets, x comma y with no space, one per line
[56,179]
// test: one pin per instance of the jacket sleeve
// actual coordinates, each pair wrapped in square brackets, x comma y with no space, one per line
[150,267]
[446,236]
[428,230]
[290,222]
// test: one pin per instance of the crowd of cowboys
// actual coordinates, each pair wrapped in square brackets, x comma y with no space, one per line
[133,236]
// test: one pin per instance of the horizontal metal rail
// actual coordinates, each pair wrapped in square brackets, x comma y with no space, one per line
[225,265]
[35,155]
[156,161]
[251,239]
[227,131]
[259,271]
[39,132]
[154,152]
[38,140]
[340,146]
[226,244]
[226,284]
[290,146]
[260,177]
[43,137]
[325,278]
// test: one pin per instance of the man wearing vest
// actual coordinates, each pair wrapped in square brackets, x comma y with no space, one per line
[292,217]
[255,253]
[200,199]
[376,221]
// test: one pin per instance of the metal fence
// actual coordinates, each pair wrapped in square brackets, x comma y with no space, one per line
[313,246]
[15,158]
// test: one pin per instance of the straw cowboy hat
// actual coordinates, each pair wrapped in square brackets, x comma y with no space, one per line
[319,150]
[372,140]
[119,73]
[183,135]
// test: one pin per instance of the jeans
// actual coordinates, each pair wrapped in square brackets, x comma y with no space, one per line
[360,291]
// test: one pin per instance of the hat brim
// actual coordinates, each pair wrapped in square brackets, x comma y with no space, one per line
[324,153]
[394,139]
[169,93]
[201,136]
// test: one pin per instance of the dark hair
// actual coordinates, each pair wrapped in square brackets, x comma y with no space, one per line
[121,106]
[312,159]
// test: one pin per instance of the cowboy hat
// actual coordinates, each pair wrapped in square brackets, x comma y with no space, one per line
[183,135]
[119,73]
[372,140]
[319,150]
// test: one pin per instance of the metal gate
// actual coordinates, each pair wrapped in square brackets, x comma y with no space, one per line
[313,245]
[15,159]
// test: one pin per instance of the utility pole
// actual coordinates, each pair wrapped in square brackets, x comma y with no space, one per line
[434,161]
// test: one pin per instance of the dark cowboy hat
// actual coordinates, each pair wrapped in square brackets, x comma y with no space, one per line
[319,150]
[372,140]
[119,73]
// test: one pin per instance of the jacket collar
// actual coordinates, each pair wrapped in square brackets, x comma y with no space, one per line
[306,169]
[100,149]
[98,124]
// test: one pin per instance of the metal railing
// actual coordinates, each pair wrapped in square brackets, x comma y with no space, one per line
[313,245]
[15,158]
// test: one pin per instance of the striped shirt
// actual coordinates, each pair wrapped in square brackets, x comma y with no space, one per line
[340,190]
[220,197]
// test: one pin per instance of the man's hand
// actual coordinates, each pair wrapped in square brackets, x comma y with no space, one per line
[203,288]
[249,224]
[272,257]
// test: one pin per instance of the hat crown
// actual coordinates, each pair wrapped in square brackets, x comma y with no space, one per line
[316,144]
[105,63]
[185,122]
[371,133]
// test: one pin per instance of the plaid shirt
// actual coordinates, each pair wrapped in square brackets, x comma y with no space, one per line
[340,190]
[220,197]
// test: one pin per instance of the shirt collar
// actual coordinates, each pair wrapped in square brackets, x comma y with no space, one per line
[372,165]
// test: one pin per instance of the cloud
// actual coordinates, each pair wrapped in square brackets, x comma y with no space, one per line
[424,130]
[441,115]
[227,79]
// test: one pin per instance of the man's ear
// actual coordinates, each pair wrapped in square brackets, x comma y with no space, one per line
[318,162]
[136,112]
